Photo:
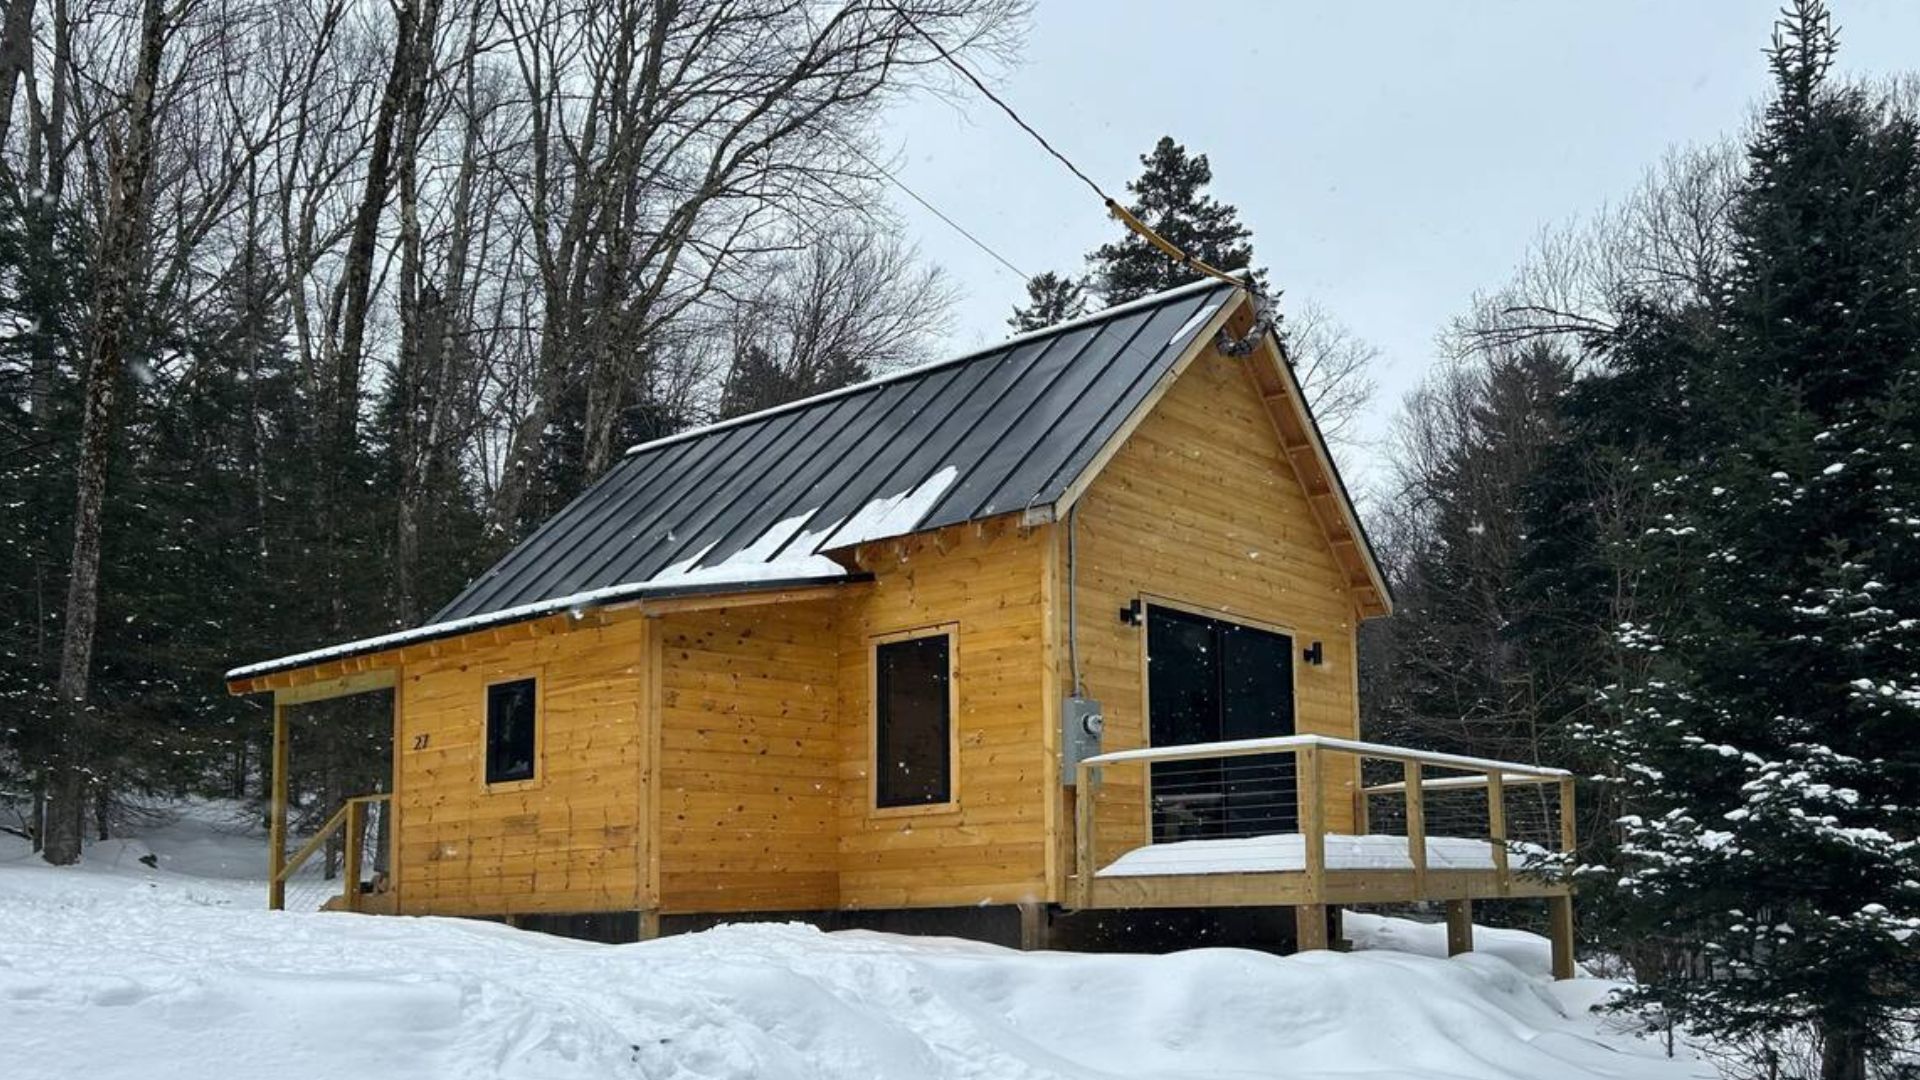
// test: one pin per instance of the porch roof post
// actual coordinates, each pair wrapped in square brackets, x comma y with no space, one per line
[277,811]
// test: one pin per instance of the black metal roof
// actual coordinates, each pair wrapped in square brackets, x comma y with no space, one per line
[760,497]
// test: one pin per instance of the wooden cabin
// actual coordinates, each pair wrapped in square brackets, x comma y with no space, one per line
[1063,625]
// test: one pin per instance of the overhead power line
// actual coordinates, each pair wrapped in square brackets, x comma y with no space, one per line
[1126,217]
[932,209]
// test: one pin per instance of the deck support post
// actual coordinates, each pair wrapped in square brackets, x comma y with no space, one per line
[1459,927]
[648,927]
[1560,930]
[1035,927]
[277,812]
[1309,927]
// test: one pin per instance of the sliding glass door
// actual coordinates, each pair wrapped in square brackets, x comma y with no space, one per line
[1210,680]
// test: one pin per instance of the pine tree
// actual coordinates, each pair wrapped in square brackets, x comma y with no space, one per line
[1051,298]
[1170,196]
[1767,757]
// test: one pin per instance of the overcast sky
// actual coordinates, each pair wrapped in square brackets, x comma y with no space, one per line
[1390,158]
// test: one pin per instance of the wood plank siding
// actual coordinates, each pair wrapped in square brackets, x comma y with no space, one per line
[749,759]
[1200,507]
[571,838]
[990,846]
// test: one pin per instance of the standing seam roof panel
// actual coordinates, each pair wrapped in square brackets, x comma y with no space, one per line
[1137,366]
[1016,424]
[702,524]
[916,396]
[777,492]
[1042,412]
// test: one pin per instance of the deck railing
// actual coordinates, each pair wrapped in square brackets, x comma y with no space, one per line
[1317,786]
[350,860]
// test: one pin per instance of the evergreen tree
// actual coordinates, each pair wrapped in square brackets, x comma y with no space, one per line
[1767,758]
[1461,683]
[45,275]
[1051,298]
[1170,197]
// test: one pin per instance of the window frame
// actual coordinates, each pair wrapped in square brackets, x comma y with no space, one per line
[537,677]
[950,631]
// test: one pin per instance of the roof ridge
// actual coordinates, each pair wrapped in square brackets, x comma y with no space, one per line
[934,365]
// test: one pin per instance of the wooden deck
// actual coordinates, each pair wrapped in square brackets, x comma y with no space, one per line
[1523,814]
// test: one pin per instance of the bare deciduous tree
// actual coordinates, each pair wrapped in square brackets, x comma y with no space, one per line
[851,304]
[118,265]
[1333,365]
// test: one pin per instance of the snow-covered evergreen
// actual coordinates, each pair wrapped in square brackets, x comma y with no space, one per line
[1769,758]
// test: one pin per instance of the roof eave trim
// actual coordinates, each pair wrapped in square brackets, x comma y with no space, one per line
[578,603]
[1350,512]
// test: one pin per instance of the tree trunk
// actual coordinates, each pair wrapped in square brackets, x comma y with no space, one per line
[120,238]
[1843,1052]
[16,53]
[102,810]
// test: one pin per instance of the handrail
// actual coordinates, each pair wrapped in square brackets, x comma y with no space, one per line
[348,818]
[1310,753]
[1469,782]
[1278,743]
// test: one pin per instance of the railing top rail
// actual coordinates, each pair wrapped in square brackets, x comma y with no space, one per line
[1286,743]
[1454,782]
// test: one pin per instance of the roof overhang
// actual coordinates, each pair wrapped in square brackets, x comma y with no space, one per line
[372,663]
[1301,443]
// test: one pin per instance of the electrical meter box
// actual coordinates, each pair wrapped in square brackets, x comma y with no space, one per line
[1081,723]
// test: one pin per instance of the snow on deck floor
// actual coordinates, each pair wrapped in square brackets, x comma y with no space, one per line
[1288,851]
[114,970]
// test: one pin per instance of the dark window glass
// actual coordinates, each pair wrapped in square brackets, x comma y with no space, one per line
[510,720]
[1209,681]
[913,739]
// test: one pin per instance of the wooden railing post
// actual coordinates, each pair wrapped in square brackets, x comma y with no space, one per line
[1497,828]
[1416,826]
[1084,822]
[350,854]
[277,813]
[1310,918]
[1362,808]
[1313,817]
[1569,838]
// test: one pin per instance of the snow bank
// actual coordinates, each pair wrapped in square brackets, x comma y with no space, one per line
[110,971]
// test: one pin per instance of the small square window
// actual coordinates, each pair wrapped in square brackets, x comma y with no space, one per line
[913,718]
[510,721]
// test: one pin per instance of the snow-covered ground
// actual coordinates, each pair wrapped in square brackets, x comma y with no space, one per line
[120,969]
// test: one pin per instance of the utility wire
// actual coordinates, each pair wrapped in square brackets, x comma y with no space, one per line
[932,209]
[1140,228]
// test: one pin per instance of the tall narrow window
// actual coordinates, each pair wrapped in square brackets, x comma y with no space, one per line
[913,721]
[510,720]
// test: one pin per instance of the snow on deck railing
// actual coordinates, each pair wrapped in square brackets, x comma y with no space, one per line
[1281,743]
